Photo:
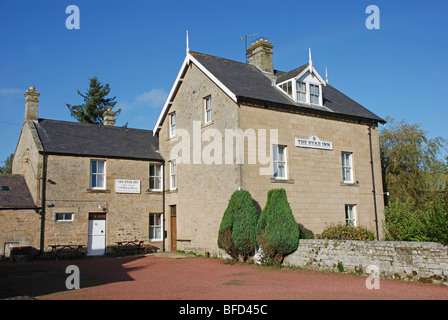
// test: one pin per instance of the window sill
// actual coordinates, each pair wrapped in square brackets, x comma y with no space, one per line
[350,184]
[172,138]
[289,181]
[171,191]
[207,124]
[98,190]
[149,191]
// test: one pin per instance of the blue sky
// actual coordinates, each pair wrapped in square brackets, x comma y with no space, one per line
[400,70]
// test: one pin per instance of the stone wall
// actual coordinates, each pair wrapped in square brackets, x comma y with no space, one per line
[18,228]
[408,261]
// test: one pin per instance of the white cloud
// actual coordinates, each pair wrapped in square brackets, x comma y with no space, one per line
[8,92]
[155,98]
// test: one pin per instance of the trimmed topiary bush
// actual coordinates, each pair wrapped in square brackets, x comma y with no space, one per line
[237,232]
[277,230]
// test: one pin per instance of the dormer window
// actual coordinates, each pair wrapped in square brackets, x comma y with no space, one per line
[303,85]
[287,87]
[301,91]
[314,94]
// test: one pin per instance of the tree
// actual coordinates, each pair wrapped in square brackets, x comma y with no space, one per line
[277,230]
[7,167]
[405,222]
[237,232]
[411,163]
[95,103]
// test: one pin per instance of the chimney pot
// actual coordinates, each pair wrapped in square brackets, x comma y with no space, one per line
[260,55]
[31,104]
[108,118]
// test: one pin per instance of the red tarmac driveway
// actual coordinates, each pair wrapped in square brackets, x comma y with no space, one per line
[164,277]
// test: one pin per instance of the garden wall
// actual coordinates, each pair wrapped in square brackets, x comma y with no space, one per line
[410,261]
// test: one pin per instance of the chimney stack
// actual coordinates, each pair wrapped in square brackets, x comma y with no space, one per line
[260,55]
[108,118]
[31,104]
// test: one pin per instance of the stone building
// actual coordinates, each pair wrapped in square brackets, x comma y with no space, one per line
[94,185]
[228,125]
[225,126]
[19,219]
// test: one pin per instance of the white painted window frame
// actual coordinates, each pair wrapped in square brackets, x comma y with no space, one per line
[172,124]
[155,226]
[96,174]
[173,175]
[305,93]
[347,167]
[311,94]
[350,215]
[72,217]
[159,177]
[208,110]
[276,149]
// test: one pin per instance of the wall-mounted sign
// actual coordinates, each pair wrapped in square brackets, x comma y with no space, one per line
[314,142]
[127,186]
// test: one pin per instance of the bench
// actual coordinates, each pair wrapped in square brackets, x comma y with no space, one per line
[66,249]
[129,246]
[136,246]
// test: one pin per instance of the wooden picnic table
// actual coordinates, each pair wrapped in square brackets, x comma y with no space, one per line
[129,245]
[70,248]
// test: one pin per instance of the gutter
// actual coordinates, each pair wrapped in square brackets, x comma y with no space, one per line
[43,199]
[329,114]
[373,183]
[163,212]
[87,155]
[21,208]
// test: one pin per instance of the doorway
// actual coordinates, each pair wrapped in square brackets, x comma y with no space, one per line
[96,244]
[173,224]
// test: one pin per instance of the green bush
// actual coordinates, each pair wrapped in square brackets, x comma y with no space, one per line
[277,230]
[404,222]
[237,232]
[342,231]
[436,222]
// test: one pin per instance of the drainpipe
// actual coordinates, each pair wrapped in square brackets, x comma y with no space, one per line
[373,182]
[163,201]
[43,196]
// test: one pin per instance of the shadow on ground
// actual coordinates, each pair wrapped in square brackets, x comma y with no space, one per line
[22,280]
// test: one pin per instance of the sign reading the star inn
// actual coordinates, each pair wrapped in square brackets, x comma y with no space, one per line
[127,186]
[314,142]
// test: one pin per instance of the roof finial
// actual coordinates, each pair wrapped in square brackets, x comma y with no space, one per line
[326,74]
[311,60]
[188,47]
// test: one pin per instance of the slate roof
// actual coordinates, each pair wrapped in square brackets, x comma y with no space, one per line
[18,196]
[248,82]
[79,139]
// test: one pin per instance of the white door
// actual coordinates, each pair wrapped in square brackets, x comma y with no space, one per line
[96,244]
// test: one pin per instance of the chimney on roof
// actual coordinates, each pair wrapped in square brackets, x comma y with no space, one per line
[260,55]
[109,117]
[31,104]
